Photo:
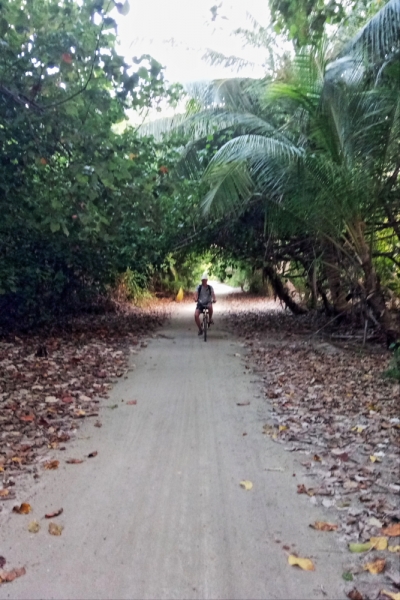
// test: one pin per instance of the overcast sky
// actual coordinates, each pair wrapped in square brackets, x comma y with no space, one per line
[151,25]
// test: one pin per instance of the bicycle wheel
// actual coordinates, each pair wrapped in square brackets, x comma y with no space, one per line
[205,325]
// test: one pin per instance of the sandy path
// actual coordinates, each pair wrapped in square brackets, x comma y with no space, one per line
[159,513]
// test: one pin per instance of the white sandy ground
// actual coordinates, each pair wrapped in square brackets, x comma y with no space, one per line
[159,513]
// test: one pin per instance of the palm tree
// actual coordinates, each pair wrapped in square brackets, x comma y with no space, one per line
[330,167]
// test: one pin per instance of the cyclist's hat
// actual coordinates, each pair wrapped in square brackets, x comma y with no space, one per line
[204,276]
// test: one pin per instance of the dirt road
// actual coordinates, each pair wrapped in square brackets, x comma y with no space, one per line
[159,512]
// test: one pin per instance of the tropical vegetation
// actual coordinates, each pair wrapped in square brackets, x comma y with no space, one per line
[292,178]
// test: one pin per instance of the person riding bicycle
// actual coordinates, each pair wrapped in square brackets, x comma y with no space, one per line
[204,296]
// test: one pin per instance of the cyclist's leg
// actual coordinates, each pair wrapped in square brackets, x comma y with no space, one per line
[210,312]
[197,318]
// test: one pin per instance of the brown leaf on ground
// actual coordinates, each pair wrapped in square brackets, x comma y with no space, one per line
[3,493]
[323,526]
[131,402]
[8,576]
[23,509]
[51,464]
[354,594]
[93,454]
[74,461]
[56,513]
[375,567]
[301,488]
[67,400]
[27,418]
[55,529]
[304,563]
[393,530]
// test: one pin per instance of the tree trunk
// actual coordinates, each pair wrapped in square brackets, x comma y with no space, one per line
[312,283]
[333,275]
[372,289]
[281,291]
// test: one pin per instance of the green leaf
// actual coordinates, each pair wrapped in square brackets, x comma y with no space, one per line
[347,576]
[357,547]
[124,8]
[55,227]
[143,73]
[3,27]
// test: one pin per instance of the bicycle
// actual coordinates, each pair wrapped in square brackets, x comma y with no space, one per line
[206,321]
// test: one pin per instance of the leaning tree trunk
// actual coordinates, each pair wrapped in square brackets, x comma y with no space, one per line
[373,291]
[281,291]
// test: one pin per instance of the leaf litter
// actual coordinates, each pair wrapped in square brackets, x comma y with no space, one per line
[44,395]
[327,400]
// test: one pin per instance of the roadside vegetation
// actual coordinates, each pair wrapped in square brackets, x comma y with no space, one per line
[287,185]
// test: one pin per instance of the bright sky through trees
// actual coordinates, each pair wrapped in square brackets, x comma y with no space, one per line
[178,32]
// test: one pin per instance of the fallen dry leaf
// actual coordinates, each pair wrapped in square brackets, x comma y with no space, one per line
[323,526]
[379,543]
[27,418]
[24,509]
[245,484]
[51,464]
[304,563]
[7,576]
[375,567]
[93,454]
[56,513]
[67,400]
[4,493]
[393,530]
[392,595]
[55,529]
[131,402]
[33,527]
[354,594]
[74,461]
[374,458]
[394,548]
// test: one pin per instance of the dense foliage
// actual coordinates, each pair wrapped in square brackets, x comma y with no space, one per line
[298,172]
[79,201]
[308,183]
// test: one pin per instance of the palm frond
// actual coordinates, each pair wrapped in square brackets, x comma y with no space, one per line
[379,40]
[231,187]
[245,147]
[217,58]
